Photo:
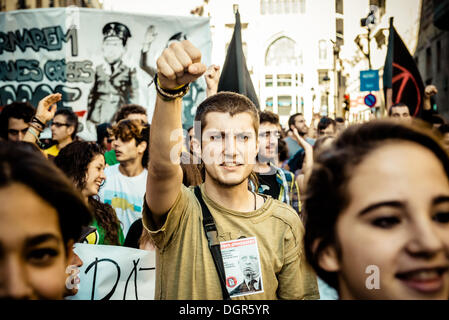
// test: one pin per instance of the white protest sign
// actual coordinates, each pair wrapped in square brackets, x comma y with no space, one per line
[98,60]
[115,273]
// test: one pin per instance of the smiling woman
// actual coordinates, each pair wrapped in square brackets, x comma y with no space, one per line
[378,200]
[84,163]
[41,217]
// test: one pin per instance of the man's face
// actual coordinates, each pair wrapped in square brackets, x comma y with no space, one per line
[300,124]
[328,131]
[402,113]
[17,129]
[60,129]
[127,150]
[268,140]
[229,147]
[113,49]
[250,266]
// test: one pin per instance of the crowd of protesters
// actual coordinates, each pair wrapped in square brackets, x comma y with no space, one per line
[326,204]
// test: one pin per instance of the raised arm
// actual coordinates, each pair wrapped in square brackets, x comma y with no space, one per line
[150,36]
[45,112]
[308,155]
[179,65]
[429,91]
[307,165]
[212,77]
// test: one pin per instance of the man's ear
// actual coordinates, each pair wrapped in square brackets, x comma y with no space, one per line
[71,129]
[327,257]
[142,146]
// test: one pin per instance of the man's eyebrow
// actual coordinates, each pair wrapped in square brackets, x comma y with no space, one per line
[213,131]
[244,132]
[440,199]
[393,204]
[35,240]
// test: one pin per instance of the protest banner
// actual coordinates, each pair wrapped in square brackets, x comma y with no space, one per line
[98,60]
[113,273]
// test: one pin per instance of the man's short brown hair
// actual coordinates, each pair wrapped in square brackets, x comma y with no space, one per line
[128,109]
[268,116]
[227,102]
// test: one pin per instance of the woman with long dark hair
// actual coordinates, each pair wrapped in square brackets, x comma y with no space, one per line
[84,163]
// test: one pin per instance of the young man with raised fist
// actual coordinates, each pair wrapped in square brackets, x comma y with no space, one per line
[268,229]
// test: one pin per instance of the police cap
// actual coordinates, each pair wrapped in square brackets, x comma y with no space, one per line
[116,29]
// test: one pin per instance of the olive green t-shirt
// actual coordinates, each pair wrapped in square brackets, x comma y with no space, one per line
[185,268]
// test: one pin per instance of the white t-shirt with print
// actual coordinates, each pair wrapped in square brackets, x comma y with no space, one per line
[124,194]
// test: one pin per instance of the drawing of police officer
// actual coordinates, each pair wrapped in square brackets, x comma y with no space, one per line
[115,83]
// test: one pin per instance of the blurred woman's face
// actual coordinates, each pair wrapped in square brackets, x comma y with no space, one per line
[94,176]
[395,231]
[32,251]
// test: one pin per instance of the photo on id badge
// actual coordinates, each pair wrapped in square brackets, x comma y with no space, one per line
[242,267]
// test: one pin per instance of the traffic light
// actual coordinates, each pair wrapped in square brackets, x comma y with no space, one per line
[347,102]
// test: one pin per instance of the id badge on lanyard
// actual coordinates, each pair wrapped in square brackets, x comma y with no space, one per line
[241,262]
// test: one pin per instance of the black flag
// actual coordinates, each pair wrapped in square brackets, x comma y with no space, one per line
[235,76]
[402,80]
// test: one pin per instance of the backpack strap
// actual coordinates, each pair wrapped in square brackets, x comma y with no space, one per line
[214,245]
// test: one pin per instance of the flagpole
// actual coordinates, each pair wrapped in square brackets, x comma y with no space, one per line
[388,71]
[389,101]
[240,57]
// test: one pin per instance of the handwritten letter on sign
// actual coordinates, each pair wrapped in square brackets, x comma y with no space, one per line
[115,273]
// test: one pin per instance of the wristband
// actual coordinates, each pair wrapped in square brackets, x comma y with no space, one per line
[39,123]
[174,89]
[35,127]
[169,95]
[34,132]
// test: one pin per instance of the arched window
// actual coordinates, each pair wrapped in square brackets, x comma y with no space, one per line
[281,52]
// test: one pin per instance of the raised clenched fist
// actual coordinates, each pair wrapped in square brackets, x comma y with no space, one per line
[179,64]
[430,90]
[212,76]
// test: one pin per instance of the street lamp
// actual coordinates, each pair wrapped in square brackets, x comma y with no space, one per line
[337,84]
[369,23]
[326,85]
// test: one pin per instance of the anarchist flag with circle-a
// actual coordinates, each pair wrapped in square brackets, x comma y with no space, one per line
[402,80]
